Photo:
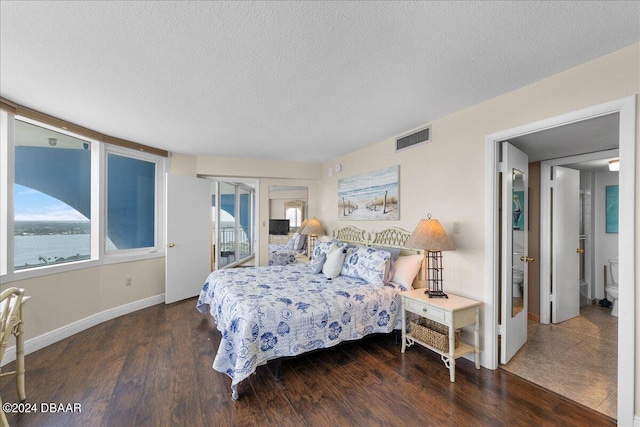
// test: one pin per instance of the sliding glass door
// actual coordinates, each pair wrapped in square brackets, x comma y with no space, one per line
[245,218]
[233,216]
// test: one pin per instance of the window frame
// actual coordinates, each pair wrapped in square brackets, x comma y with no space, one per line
[99,255]
[138,253]
[252,212]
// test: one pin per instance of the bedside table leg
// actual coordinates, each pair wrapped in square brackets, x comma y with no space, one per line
[404,328]
[452,357]
[476,338]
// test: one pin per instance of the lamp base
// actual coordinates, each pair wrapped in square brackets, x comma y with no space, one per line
[436,294]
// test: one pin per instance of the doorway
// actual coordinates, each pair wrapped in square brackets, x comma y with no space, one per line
[573,350]
[627,121]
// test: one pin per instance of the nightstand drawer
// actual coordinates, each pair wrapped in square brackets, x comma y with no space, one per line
[431,312]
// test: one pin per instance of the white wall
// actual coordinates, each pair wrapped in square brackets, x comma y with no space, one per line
[61,299]
[606,244]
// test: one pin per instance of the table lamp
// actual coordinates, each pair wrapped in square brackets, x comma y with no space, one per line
[430,236]
[312,229]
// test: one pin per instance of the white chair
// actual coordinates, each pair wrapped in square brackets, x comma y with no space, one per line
[11,323]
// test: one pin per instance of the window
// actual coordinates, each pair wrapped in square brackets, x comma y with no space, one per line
[294,212]
[131,199]
[51,197]
[56,211]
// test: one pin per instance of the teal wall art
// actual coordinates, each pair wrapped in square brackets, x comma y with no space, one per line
[612,208]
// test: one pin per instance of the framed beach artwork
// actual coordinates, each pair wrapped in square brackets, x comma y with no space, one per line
[372,196]
[612,208]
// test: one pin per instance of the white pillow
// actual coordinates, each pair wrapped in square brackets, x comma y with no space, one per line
[406,269]
[333,265]
[324,239]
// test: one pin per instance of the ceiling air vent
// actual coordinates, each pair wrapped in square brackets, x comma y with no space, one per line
[420,137]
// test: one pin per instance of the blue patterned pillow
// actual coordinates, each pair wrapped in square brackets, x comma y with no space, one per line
[318,262]
[395,252]
[323,247]
[366,263]
[389,268]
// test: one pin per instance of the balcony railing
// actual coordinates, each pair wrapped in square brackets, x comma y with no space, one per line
[227,244]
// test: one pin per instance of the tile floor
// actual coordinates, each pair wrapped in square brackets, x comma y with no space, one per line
[576,358]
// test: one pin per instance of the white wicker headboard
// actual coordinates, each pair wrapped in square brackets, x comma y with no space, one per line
[351,234]
[392,237]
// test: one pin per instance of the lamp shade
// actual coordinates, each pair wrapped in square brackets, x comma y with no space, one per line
[304,224]
[430,235]
[313,227]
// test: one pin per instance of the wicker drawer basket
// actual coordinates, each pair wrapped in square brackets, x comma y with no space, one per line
[434,334]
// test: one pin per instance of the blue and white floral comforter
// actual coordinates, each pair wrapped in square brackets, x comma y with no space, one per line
[269,312]
[281,255]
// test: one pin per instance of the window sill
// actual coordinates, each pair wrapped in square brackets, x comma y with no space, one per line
[79,265]
[115,258]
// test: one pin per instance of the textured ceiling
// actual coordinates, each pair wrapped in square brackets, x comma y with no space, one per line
[304,81]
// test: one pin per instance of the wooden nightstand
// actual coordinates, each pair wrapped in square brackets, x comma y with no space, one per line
[453,312]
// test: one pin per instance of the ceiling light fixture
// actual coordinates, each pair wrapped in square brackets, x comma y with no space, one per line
[614,165]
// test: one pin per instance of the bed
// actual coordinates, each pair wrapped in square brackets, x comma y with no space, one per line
[286,254]
[268,313]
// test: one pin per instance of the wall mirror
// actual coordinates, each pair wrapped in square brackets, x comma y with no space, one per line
[518,243]
[288,202]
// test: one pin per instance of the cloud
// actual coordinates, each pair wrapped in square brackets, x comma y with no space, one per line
[32,205]
[51,213]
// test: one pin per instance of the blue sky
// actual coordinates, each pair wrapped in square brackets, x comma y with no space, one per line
[32,205]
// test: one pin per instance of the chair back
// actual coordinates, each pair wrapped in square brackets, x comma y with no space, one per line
[10,301]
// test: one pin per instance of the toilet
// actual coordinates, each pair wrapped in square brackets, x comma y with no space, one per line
[518,278]
[612,288]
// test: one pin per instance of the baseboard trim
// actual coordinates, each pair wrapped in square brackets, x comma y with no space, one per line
[48,338]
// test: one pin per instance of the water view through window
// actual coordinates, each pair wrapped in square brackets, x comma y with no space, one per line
[40,243]
[52,197]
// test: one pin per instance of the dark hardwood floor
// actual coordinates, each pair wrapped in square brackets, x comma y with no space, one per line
[153,368]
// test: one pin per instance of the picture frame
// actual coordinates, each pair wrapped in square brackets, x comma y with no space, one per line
[370,196]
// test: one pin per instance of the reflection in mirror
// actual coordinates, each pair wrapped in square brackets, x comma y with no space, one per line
[288,202]
[294,212]
[517,241]
[227,235]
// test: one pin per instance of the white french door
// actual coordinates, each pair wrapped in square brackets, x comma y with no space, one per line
[188,220]
[565,243]
[514,171]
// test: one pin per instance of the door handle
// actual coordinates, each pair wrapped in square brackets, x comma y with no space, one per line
[171,245]
[579,251]
[527,258]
